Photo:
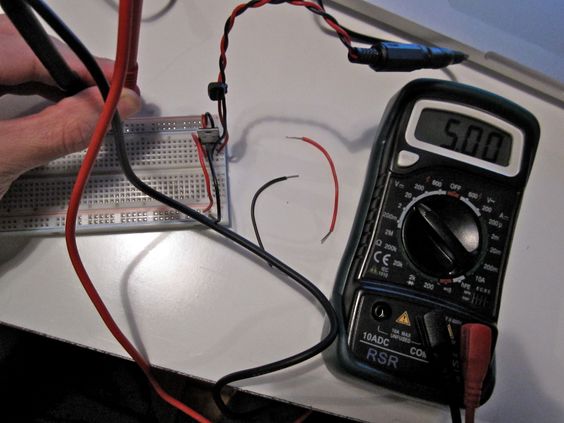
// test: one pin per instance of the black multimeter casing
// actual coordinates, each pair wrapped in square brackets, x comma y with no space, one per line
[378,305]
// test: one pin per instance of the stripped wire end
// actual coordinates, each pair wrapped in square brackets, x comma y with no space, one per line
[326,236]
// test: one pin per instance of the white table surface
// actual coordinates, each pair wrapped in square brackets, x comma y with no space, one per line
[202,308]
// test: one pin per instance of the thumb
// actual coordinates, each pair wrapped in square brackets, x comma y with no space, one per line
[58,130]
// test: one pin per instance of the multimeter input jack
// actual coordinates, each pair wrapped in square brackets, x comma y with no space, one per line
[381,311]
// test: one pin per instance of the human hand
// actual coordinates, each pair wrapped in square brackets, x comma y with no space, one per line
[59,129]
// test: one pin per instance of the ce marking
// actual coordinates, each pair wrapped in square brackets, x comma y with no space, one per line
[380,257]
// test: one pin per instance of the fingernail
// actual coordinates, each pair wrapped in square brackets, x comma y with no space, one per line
[129,103]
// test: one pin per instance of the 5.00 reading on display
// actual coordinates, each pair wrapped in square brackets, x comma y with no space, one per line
[464,135]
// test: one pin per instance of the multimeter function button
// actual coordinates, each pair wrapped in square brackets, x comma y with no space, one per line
[407,158]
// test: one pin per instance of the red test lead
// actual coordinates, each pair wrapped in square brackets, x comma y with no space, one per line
[125,28]
[132,65]
[475,355]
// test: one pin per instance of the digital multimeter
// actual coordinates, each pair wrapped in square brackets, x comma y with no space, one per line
[433,230]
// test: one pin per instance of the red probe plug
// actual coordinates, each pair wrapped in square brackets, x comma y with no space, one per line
[133,67]
[475,355]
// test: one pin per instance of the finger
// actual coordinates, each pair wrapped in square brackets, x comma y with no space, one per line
[76,64]
[6,25]
[20,65]
[60,129]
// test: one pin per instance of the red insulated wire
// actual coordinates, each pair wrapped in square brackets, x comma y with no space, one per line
[308,4]
[332,24]
[133,67]
[126,8]
[204,170]
[475,358]
[204,120]
[335,181]
[232,17]
[236,11]
[343,34]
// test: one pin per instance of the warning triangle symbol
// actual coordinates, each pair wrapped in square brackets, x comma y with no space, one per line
[404,319]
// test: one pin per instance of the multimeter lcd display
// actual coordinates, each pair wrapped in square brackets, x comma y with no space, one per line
[465,135]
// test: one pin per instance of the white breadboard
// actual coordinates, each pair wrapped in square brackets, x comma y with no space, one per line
[162,153]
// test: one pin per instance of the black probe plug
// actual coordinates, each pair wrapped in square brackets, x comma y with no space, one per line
[388,56]
[436,338]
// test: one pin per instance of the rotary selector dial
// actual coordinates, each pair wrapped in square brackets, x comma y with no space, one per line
[441,235]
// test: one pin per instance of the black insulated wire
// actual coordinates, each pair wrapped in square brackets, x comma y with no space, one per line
[209,117]
[23,18]
[72,41]
[93,68]
[222,64]
[254,203]
[357,36]
[229,26]
[223,121]
[434,333]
